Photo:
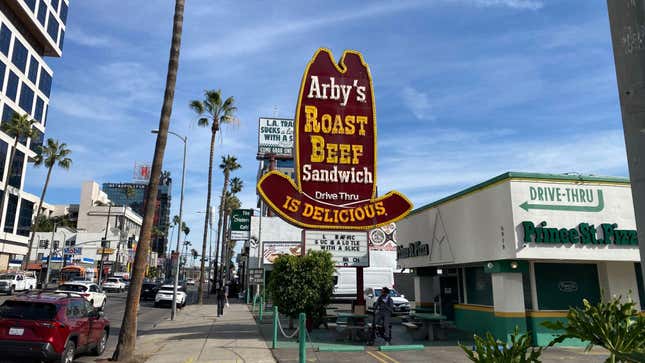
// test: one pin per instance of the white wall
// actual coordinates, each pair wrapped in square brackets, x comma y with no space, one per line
[508,293]
[618,279]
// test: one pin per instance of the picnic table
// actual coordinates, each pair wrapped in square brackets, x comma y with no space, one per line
[351,323]
[430,322]
[423,310]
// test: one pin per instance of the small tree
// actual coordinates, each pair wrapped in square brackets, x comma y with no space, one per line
[302,284]
[490,350]
[614,325]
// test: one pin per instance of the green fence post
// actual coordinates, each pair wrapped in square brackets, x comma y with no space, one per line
[275,327]
[302,338]
[248,293]
[261,307]
[255,299]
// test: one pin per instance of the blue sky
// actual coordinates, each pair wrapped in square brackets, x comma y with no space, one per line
[465,89]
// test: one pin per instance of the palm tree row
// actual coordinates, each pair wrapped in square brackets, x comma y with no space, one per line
[232,203]
[213,111]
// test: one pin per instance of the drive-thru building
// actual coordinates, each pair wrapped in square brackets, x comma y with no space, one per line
[521,248]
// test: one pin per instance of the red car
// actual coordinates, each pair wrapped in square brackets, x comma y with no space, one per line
[51,327]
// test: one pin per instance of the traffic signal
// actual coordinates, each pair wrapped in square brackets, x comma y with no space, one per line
[104,242]
[130,242]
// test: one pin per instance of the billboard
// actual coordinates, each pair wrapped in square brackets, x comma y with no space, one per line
[142,172]
[240,224]
[383,238]
[275,137]
[273,250]
[348,249]
[335,152]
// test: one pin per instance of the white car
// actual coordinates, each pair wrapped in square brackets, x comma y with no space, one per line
[114,284]
[16,281]
[190,282]
[89,290]
[401,304]
[164,296]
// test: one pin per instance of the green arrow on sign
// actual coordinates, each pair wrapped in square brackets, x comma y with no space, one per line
[574,208]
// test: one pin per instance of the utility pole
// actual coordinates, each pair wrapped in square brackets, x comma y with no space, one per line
[49,257]
[627,23]
[107,226]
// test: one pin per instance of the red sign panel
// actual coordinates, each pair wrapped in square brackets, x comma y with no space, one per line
[335,131]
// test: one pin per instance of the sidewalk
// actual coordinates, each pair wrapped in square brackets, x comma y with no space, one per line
[197,335]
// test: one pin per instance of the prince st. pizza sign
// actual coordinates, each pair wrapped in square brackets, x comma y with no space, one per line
[335,131]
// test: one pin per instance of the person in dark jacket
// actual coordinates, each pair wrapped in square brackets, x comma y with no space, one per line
[383,311]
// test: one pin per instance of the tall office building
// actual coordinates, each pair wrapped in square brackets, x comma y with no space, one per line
[30,30]
[117,194]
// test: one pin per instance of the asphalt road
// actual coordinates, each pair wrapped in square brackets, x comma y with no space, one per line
[148,317]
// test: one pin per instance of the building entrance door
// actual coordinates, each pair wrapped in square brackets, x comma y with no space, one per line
[449,295]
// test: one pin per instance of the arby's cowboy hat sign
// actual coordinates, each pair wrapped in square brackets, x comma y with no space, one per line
[335,159]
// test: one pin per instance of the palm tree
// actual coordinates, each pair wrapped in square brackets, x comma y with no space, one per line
[20,127]
[53,153]
[128,332]
[229,163]
[212,111]
[232,203]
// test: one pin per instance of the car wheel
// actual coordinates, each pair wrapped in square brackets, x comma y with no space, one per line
[100,346]
[68,353]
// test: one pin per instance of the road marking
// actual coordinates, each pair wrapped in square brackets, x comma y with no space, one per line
[387,357]
[377,357]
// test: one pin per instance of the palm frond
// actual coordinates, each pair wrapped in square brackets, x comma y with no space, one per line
[197,106]
[203,122]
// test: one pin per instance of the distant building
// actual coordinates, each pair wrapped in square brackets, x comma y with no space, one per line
[117,193]
[30,30]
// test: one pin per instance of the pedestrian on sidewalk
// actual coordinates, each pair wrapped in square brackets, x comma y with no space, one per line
[220,299]
[226,287]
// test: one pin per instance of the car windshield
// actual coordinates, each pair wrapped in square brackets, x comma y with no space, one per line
[7,276]
[393,293]
[113,280]
[27,310]
[75,288]
[149,286]
[167,291]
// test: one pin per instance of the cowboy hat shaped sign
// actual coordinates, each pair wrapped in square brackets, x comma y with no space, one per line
[335,133]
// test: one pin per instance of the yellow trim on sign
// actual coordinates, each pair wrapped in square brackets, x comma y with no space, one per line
[503,314]
[342,69]
[487,309]
[548,314]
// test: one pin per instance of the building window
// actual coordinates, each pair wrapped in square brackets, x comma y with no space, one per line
[36,141]
[19,56]
[26,98]
[10,219]
[563,285]
[46,112]
[31,4]
[45,84]
[62,38]
[5,39]
[3,68]
[479,286]
[54,4]
[16,171]
[24,218]
[3,158]
[63,12]
[43,243]
[33,70]
[38,112]
[12,86]
[52,27]
[7,113]
[42,12]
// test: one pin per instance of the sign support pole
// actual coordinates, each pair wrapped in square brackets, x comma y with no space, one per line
[626,18]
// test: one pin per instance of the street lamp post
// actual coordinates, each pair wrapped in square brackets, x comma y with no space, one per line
[184,139]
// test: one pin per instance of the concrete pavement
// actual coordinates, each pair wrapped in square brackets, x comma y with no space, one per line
[197,335]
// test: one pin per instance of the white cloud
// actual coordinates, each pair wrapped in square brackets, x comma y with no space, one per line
[79,36]
[515,4]
[418,103]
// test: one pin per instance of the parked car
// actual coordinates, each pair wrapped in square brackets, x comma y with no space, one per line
[190,282]
[114,284]
[11,282]
[164,296]
[89,290]
[401,304]
[51,327]
[149,290]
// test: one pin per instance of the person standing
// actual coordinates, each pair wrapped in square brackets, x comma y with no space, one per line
[220,299]
[384,309]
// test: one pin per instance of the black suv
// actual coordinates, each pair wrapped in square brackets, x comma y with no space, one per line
[149,290]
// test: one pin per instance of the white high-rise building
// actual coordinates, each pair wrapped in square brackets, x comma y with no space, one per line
[30,30]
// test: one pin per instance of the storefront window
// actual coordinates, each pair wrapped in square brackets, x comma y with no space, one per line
[10,218]
[479,286]
[24,219]
[563,285]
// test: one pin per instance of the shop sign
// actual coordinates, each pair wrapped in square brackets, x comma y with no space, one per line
[383,238]
[142,172]
[73,250]
[414,249]
[273,250]
[335,158]
[275,137]
[585,233]
[570,199]
[240,224]
[568,286]
[348,249]
[256,276]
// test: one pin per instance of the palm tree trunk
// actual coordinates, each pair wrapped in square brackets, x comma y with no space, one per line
[40,205]
[127,335]
[220,242]
[5,194]
[200,288]
[226,244]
